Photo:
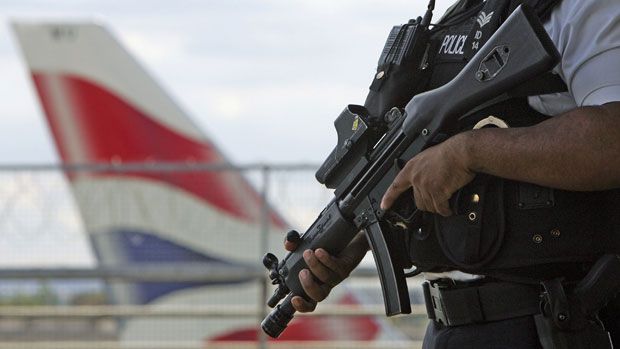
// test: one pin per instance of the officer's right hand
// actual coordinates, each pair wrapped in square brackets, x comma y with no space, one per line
[325,271]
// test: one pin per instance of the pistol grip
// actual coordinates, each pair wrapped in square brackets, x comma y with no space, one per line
[600,285]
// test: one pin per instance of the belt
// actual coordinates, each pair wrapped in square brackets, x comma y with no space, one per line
[454,304]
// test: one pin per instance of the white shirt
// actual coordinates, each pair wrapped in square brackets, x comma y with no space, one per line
[587,35]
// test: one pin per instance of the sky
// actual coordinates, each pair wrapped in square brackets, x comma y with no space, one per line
[265,79]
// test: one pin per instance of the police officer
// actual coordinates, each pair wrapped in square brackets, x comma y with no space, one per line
[573,146]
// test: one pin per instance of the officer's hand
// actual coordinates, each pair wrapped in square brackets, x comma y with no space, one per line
[433,175]
[329,270]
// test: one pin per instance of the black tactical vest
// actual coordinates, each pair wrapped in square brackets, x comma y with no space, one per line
[503,227]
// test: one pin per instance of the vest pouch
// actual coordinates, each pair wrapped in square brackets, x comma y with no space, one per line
[552,226]
[402,69]
[473,235]
[394,86]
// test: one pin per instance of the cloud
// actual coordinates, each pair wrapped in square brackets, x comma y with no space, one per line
[275,73]
[228,105]
[168,47]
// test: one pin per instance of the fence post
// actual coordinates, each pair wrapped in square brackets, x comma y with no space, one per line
[265,222]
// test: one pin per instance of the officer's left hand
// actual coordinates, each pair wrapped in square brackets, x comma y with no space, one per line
[434,175]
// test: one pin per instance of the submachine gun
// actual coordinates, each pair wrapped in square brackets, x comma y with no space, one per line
[371,150]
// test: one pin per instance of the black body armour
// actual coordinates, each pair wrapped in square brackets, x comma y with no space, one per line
[504,228]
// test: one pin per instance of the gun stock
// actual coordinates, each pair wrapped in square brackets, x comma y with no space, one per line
[518,51]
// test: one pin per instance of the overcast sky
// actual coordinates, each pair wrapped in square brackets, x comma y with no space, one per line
[266,79]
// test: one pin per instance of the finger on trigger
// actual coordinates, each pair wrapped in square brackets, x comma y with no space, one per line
[398,186]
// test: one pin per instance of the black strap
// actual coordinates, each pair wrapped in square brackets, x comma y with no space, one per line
[541,85]
[457,305]
[542,7]
[457,10]
[544,84]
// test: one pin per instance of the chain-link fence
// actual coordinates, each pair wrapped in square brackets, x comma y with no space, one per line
[167,255]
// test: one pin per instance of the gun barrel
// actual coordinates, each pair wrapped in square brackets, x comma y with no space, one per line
[276,322]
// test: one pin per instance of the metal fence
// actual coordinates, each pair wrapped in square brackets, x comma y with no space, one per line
[54,293]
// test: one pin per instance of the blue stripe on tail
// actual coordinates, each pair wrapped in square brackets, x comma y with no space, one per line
[136,247]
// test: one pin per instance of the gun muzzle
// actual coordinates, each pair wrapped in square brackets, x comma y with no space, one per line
[277,321]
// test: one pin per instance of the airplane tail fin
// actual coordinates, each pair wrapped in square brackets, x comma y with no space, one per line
[103,108]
